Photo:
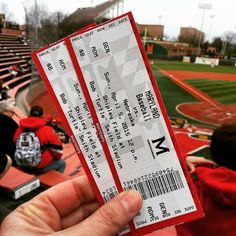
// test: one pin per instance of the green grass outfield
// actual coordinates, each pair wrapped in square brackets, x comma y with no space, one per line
[173,95]
[170,65]
[222,91]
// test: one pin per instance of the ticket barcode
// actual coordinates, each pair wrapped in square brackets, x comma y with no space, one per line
[158,185]
[108,197]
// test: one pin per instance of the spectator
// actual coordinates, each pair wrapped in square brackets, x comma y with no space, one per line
[13,71]
[216,187]
[22,37]
[5,164]
[7,128]
[55,122]
[70,208]
[16,70]
[51,146]
[3,91]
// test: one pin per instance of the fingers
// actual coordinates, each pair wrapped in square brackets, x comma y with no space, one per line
[207,162]
[201,161]
[79,214]
[194,161]
[73,193]
[191,168]
[111,217]
[45,211]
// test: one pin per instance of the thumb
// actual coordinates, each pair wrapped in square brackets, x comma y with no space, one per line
[113,216]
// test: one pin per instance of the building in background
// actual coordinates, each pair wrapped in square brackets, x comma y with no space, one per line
[191,36]
[155,32]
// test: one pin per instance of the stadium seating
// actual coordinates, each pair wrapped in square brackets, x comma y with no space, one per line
[12,52]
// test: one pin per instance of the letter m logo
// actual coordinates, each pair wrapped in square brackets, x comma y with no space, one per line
[159,149]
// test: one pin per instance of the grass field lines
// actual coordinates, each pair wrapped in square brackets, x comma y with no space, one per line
[222,91]
[207,98]
[191,89]
[169,65]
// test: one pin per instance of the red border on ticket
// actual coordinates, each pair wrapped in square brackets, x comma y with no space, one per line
[188,216]
[95,117]
[175,220]
[67,126]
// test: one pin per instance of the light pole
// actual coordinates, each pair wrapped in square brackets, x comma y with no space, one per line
[160,16]
[210,28]
[36,19]
[204,7]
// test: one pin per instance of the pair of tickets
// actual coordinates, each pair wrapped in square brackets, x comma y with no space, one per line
[102,85]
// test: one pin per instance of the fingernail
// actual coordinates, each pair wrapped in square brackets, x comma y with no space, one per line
[131,201]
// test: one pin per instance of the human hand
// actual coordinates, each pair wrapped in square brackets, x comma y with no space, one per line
[70,208]
[193,161]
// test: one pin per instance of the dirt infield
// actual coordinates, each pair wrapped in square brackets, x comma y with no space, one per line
[207,110]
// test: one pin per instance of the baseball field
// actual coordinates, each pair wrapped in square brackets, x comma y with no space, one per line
[200,94]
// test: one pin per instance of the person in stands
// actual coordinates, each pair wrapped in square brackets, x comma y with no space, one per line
[8,127]
[16,70]
[55,123]
[50,146]
[3,91]
[216,186]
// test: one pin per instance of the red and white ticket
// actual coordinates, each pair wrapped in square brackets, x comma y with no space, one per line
[57,71]
[110,89]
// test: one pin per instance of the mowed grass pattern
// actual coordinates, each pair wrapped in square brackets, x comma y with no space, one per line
[169,65]
[222,91]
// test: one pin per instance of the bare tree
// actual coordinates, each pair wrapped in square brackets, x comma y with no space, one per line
[230,39]
[5,10]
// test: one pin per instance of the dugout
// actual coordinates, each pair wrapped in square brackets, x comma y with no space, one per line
[154,50]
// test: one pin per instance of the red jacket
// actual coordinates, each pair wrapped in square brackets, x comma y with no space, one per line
[47,136]
[217,192]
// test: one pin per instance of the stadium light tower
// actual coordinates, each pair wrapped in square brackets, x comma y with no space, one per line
[210,28]
[204,7]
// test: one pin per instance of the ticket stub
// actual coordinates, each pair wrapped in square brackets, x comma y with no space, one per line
[57,70]
[136,135]
[62,79]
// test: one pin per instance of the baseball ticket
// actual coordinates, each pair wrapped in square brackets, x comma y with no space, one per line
[102,83]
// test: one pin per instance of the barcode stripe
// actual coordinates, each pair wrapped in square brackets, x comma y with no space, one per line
[180,181]
[163,183]
[176,181]
[170,183]
[158,185]
[173,181]
[107,197]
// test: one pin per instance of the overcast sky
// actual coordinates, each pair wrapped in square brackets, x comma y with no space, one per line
[173,14]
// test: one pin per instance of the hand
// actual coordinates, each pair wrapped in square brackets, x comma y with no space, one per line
[193,161]
[70,208]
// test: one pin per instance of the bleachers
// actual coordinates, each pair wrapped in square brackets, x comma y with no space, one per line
[13,51]
[6,54]
[8,64]
[18,80]
[11,58]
